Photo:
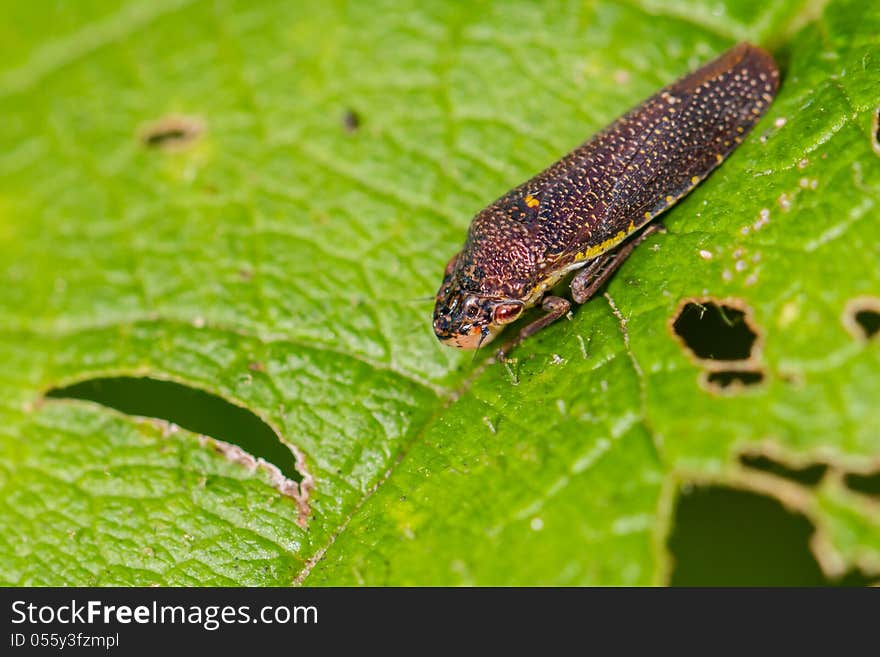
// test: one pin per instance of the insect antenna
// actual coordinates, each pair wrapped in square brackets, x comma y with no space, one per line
[418,299]
[408,300]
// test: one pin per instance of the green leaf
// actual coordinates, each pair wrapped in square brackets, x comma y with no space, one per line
[279,257]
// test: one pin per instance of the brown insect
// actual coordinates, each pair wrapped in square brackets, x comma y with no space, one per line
[579,213]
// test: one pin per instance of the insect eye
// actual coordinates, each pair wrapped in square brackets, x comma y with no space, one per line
[504,313]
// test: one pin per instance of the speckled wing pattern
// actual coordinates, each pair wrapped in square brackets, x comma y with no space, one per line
[609,187]
[654,155]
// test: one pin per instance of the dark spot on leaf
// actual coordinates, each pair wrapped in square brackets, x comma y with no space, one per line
[189,408]
[351,120]
[862,317]
[806,475]
[729,380]
[867,484]
[869,320]
[728,537]
[715,331]
[171,133]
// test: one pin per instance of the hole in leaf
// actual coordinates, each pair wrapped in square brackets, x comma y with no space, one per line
[733,379]
[869,320]
[171,133]
[728,537]
[189,408]
[806,475]
[861,317]
[715,331]
[351,120]
[867,484]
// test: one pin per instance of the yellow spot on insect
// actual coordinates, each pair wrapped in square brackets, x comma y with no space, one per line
[695,180]
[739,129]
[531,201]
[599,249]
[669,199]
[647,215]
[719,157]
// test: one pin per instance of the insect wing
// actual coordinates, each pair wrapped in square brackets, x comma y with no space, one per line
[651,157]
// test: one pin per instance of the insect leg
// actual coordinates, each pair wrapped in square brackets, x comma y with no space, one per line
[588,280]
[555,307]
